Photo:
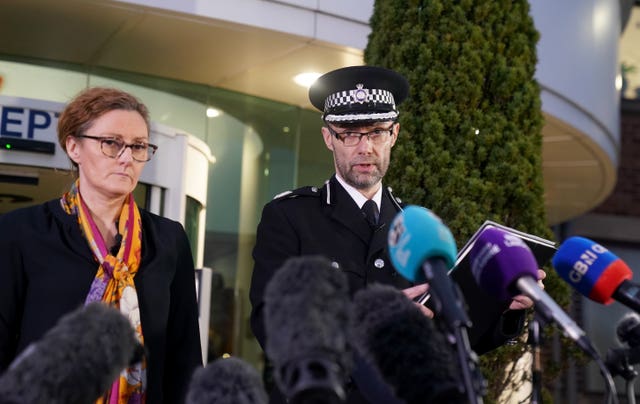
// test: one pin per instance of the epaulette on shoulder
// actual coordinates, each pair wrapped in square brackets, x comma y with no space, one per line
[304,191]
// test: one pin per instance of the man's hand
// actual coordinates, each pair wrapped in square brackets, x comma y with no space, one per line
[522,302]
[416,291]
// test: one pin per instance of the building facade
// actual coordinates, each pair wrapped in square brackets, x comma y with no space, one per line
[219,75]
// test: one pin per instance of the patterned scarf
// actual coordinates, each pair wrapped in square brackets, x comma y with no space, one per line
[114,284]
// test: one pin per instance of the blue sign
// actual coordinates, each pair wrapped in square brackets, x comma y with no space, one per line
[28,129]
[27,123]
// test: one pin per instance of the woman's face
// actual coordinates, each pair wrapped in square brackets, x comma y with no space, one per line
[101,175]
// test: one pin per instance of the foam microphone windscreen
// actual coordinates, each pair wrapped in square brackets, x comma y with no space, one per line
[628,329]
[590,268]
[498,259]
[226,381]
[410,353]
[75,362]
[416,235]
[307,310]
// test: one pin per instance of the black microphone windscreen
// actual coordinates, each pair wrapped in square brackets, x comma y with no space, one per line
[226,381]
[628,330]
[76,361]
[410,353]
[307,311]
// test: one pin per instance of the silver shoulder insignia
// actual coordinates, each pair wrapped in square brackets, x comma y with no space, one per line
[281,194]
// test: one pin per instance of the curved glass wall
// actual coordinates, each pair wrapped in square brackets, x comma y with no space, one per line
[261,148]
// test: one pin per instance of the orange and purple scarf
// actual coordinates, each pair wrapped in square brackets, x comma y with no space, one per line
[114,284]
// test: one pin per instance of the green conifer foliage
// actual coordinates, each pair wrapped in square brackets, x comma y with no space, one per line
[470,137]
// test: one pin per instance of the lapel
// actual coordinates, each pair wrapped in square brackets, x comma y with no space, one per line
[71,235]
[346,211]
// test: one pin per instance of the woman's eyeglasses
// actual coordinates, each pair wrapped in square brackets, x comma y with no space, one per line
[114,147]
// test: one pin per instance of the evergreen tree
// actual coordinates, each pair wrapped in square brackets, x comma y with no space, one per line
[470,139]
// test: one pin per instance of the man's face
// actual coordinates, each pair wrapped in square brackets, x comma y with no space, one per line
[362,165]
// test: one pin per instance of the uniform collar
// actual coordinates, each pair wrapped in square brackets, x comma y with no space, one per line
[357,196]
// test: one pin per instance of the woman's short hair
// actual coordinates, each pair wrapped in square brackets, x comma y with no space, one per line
[92,103]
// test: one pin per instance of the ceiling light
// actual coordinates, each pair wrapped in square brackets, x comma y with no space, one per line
[306,79]
[618,82]
[212,112]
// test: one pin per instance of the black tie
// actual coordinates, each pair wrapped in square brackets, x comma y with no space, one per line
[370,212]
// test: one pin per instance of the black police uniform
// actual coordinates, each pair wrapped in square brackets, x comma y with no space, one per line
[328,222]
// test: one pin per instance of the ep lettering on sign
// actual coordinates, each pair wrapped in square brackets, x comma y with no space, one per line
[28,129]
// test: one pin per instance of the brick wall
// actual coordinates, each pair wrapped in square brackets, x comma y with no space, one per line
[625,198]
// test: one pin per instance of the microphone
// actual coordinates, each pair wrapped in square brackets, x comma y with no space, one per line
[226,381]
[504,266]
[628,330]
[76,361]
[596,272]
[390,332]
[116,247]
[307,311]
[620,361]
[422,249]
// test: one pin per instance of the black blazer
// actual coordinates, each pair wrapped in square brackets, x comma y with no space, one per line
[327,221]
[46,270]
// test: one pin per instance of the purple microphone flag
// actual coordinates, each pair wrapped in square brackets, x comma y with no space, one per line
[498,259]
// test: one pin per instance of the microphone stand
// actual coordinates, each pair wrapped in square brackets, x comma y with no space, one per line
[443,290]
[619,362]
[631,395]
[535,340]
[475,385]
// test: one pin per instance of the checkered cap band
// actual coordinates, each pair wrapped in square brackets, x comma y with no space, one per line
[379,117]
[359,96]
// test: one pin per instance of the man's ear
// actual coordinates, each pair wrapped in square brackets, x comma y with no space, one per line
[396,131]
[326,135]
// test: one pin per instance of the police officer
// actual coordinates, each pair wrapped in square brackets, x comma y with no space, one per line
[347,219]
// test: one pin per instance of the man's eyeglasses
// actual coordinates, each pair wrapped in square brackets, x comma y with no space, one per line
[351,139]
[114,147]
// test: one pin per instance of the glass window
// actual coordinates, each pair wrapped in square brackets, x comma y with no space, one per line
[192,223]
[261,147]
[141,195]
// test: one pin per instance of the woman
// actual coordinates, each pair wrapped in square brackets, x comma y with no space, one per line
[94,243]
